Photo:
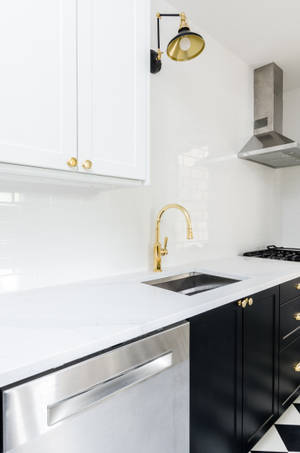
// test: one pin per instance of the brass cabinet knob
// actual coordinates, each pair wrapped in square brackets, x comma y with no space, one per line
[297,316]
[297,368]
[243,303]
[297,286]
[87,164]
[72,162]
[250,301]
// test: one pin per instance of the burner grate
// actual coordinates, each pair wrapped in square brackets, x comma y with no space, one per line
[276,253]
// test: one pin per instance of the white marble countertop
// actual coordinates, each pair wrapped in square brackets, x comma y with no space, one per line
[45,328]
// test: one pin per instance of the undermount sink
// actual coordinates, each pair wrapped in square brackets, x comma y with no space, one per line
[191,283]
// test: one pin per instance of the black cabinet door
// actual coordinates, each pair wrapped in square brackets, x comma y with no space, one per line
[215,381]
[289,378]
[260,365]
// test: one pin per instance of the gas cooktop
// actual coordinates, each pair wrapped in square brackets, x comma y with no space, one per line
[276,253]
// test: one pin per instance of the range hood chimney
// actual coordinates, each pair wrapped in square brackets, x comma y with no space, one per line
[268,146]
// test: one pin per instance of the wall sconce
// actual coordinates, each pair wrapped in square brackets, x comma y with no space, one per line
[184,46]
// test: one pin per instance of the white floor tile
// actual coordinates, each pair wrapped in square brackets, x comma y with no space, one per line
[290,417]
[270,442]
[297,401]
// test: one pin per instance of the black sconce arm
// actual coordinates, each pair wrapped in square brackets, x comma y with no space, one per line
[158,15]
[155,57]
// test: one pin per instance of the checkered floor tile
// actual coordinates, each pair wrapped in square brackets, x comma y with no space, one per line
[284,436]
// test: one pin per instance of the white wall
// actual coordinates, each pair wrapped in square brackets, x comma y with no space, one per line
[201,116]
[290,177]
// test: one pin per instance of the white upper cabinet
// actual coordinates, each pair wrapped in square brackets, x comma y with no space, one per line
[74,84]
[113,68]
[38,98]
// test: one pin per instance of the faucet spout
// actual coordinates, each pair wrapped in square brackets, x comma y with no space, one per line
[158,250]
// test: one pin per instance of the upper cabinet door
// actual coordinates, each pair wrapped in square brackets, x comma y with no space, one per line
[38,82]
[113,68]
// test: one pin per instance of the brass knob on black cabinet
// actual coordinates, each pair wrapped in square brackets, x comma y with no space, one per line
[243,303]
[72,162]
[87,164]
[250,302]
[297,286]
[297,368]
[297,316]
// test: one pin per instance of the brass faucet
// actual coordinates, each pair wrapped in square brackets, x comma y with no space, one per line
[158,251]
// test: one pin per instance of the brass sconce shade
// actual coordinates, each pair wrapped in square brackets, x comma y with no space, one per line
[185,46]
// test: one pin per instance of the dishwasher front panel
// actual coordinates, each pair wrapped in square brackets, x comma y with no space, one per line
[132,399]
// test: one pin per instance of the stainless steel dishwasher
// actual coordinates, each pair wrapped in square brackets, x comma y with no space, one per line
[131,399]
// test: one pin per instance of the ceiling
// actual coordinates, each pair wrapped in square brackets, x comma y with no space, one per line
[258,31]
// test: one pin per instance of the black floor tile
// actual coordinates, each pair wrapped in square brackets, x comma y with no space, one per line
[297,406]
[290,434]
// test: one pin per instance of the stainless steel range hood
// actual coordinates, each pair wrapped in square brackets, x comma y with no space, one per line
[268,146]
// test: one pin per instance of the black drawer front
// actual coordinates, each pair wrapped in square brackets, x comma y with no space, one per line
[289,290]
[289,378]
[290,320]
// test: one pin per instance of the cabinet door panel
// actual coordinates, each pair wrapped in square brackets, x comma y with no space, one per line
[113,83]
[215,381]
[260,369]
[38,82]
[289,378]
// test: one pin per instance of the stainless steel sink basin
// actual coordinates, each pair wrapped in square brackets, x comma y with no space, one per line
[191,283]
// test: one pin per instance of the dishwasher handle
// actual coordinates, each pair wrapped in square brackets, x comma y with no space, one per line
[77,403]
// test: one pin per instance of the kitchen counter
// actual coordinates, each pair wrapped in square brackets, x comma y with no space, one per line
[46,328]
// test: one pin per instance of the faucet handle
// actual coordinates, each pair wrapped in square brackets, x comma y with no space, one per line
[164,251]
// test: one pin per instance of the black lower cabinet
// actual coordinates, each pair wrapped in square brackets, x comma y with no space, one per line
[289,356]
[260,365]
[215,416]
[234,374]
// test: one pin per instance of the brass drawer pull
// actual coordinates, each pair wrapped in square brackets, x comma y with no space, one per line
[250,301]
[297,367]
[297,286]
[297,316]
